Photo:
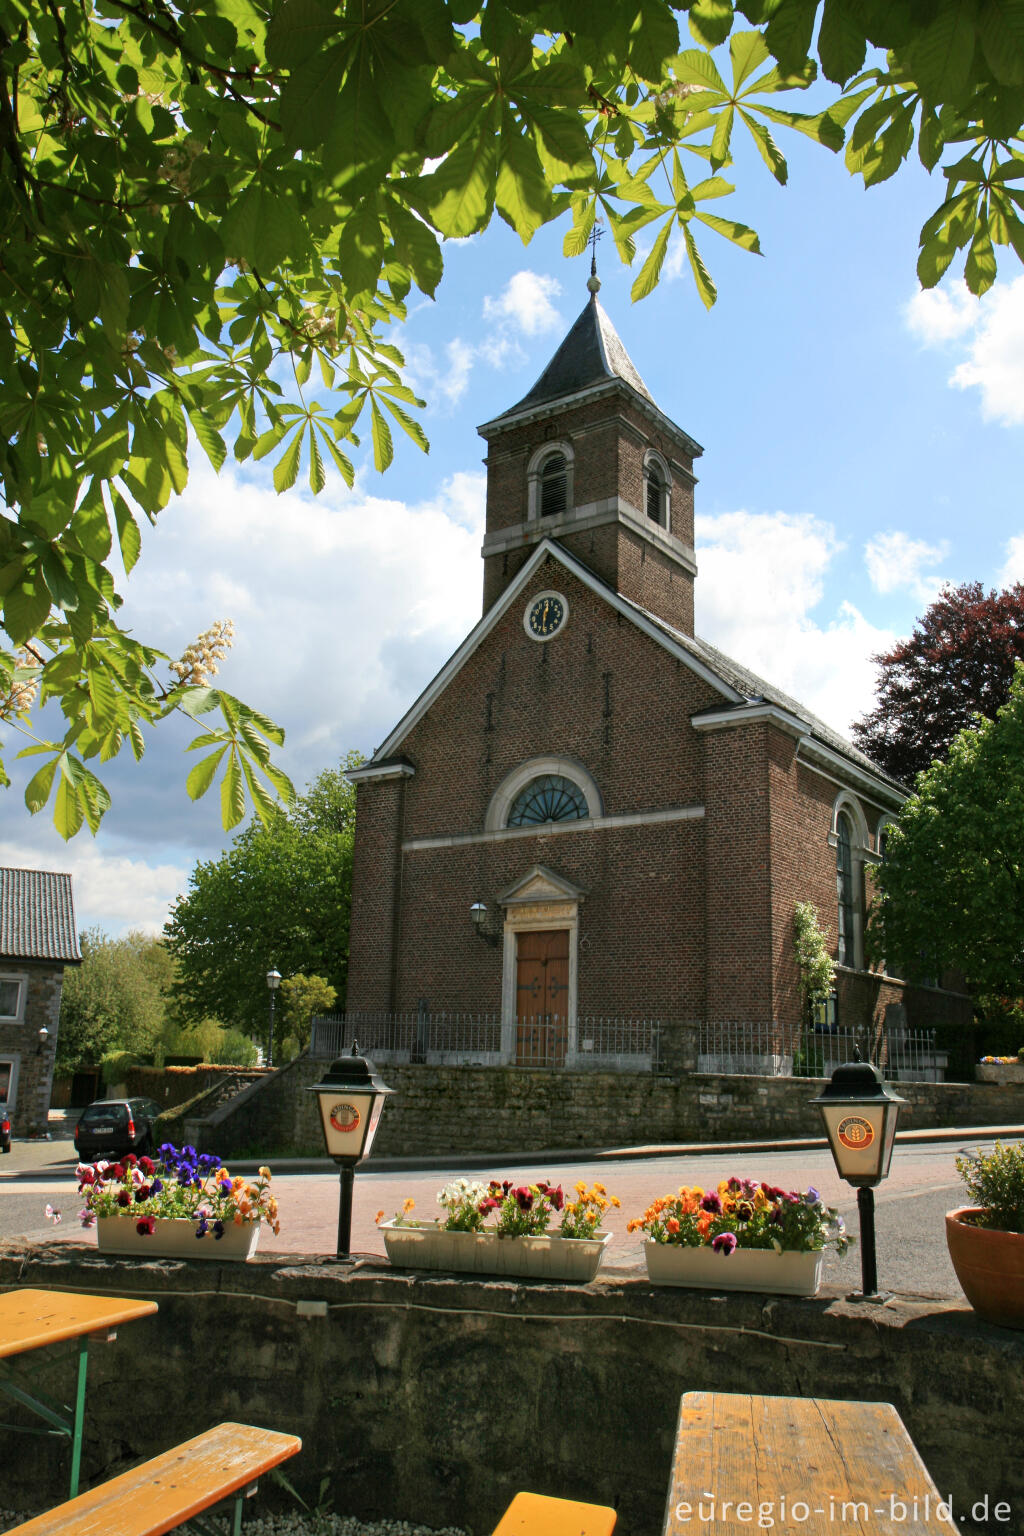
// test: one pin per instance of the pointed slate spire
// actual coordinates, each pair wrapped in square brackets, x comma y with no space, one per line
[591,353]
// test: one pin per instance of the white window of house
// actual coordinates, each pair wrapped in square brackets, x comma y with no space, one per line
[10,996]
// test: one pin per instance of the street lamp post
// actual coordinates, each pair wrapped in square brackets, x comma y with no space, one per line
[273,982]
[860,1115]
[351,1097]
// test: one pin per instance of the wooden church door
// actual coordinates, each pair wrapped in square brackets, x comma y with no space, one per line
[542,998]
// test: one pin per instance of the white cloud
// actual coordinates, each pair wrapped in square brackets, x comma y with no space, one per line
[761,577]
[992,331]
[344,607]
[526,302]
[522,309]
[937,315]
[110,890]
[1013,570]
[896,561]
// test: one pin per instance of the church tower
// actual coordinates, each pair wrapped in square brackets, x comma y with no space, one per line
[588,459]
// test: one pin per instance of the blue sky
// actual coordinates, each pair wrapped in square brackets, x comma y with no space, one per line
[862,444]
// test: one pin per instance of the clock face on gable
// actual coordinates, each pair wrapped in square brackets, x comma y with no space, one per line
[545,615]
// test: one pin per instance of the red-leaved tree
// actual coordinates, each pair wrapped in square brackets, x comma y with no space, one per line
[958,663]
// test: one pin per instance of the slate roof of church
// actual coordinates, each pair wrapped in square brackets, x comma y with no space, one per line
[755,688]
[37,916]
[592,353]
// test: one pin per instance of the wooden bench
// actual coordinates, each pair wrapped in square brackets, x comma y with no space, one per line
[172,1488]
[812,1465]
[534,1514]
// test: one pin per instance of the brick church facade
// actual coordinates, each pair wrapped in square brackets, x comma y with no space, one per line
[624,814]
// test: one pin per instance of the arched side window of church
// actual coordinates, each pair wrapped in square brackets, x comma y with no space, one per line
[657,495]
[554,485]
[844,890]
[551,797]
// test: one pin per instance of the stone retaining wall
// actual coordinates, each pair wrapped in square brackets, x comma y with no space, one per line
[434,1398]
[510,1109]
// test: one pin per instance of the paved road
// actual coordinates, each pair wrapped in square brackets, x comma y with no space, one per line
[910,1206]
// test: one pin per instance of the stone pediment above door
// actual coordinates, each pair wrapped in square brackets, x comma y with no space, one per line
[540,884]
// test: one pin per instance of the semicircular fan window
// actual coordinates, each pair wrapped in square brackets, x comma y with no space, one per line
[549,798]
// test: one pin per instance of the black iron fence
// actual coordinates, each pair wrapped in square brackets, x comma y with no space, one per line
[609,1043]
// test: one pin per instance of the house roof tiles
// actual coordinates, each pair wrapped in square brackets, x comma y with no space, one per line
[37,916]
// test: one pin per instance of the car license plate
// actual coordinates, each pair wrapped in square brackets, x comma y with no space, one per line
[100,1130]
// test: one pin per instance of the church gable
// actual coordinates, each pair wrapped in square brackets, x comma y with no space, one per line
[599,703]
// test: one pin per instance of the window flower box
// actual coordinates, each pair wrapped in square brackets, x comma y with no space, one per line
[175,1237]
[742,1236]
[518,1244]
[540,1257]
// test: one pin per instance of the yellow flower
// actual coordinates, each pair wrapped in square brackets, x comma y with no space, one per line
[616,1201]
[222,1173]
[407,1205]
[264,1173]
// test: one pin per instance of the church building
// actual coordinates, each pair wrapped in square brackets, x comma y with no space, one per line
[590,811]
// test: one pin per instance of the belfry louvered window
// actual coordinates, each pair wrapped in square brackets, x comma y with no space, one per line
[655,494]
[548,798]
[553,486]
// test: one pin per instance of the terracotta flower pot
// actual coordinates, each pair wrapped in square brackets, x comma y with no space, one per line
[989,1265]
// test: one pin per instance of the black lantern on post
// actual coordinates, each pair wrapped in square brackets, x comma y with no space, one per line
[860,1115]
[273,982]
[351,1098]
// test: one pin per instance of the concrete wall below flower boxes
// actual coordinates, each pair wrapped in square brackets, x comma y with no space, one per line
[509,1109]
[434,1399]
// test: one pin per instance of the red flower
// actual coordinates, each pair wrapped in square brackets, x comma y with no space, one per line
[87,1176]
[115,1173]
[557,1198]
[124,1197]
[146,1226]
[129,1159]
[524,1199]
[148,1166]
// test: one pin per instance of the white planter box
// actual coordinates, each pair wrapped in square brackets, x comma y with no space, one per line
[746,1269]
[175,1238]
[484,1253]
[1000,1072]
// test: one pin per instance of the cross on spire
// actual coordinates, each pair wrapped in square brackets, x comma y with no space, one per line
[594,282]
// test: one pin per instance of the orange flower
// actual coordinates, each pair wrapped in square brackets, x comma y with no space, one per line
[672,1225]
[379,1217]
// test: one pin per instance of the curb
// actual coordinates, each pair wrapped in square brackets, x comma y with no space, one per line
[482,1160]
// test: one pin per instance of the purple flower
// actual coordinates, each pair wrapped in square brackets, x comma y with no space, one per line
[203,1227]
[712,1203]
[218,1230]
[725,1243]
[156,1186]
[812,1196]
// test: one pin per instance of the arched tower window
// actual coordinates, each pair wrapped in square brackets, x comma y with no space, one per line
[657,488]
[844,890]
[655,493]
[550,797]
[554,489]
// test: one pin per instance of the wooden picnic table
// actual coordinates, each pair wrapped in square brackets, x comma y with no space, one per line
[32,1319]
[813,1465]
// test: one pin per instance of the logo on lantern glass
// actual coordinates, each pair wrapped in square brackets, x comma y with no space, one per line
[856,1133]
[345,1117]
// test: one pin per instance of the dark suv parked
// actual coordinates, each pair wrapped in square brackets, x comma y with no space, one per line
[112,1127]
[5,1127]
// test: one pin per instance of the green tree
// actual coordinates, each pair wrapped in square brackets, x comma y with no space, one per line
[192,195]
[279,896]
[303,997]
[112,1002]
[952,882]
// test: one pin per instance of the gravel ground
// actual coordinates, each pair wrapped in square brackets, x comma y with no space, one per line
[298,1524]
